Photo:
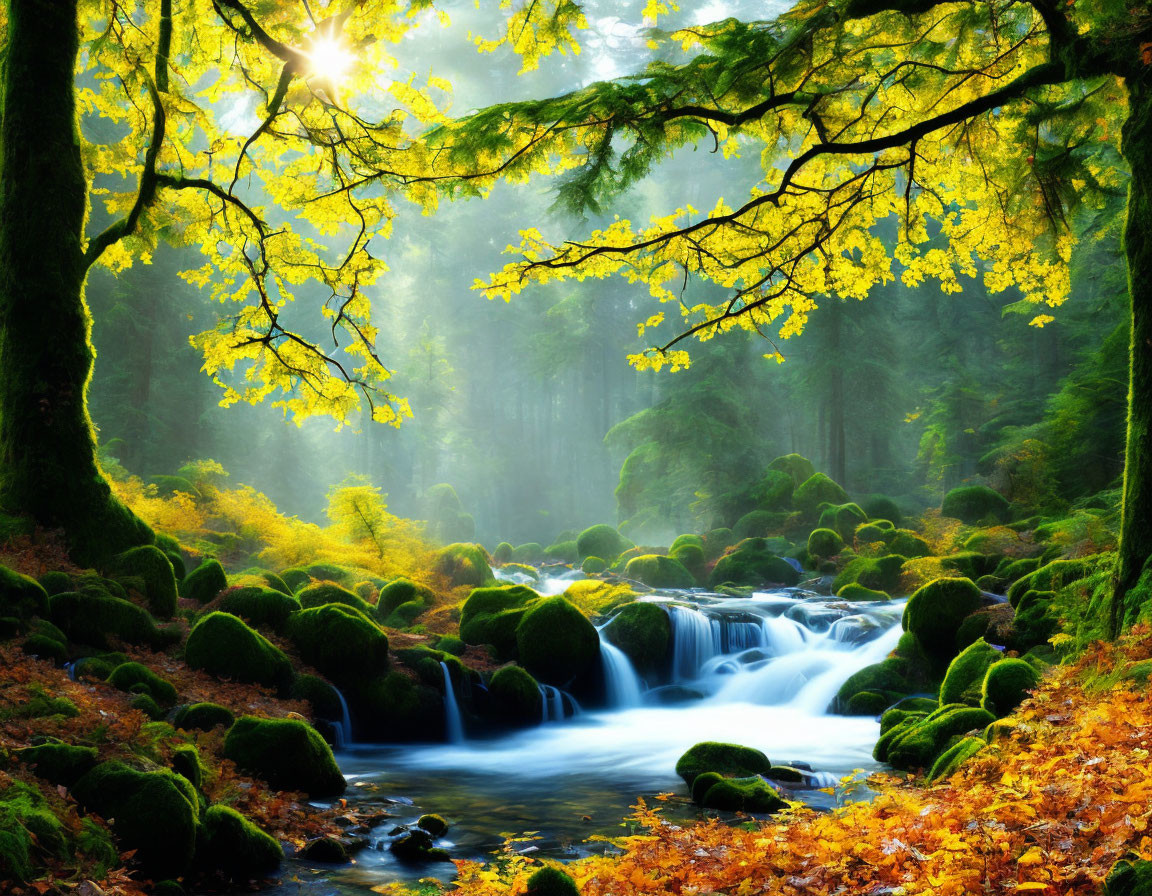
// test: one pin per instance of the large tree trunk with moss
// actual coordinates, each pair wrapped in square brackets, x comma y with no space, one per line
[1136,528]
[48,467]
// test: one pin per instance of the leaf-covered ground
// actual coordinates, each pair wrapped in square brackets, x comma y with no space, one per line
[1046,809]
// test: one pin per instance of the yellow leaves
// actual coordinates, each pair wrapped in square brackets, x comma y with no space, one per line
[537,28]
[654,321]
[1040,320]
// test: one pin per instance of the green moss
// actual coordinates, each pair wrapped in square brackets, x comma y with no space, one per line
[657,571]
[752,562]
[970,564]
[550,881]
[601,541]
[716,542]
[204,582]
[867,703]
[949,762]
[329,593]
[857,592]
[322,696]
[593,566]
[816,490]
[975,503]
[798,467]
[1050,577]
[515,696]
[556,643]
[644,632]
[843,519]
[40,705]
[531,553]
[924,740]
[966,673]
[222,645]
[45,648]
[21,596]
[399,592]
[140,679]
[1035,622]
[725,759]
[95,617]
[877,573]
[53,583]
[234,846]
[1006,685]
[434,824]
[825,543]
[29,833]
[452,645]
[503,553]
[295,578]
[344,645]
[415,846]
[61,764]
[888,677]
[757,524]
[265,577]
[286,753]
[155,813]
[881,507]
[868,533]
[742,795]
[491,616]
[186,763]
[1129,877]
[934,613]
[773,491]
[148,564]
[682,540]
[145,704]
[908,544]
[203,717]
[562,552]
[396,708]
[464,564]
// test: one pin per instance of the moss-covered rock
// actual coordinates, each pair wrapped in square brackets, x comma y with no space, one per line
[139,679]
[399,592]
[1036,620]
[287,753]
[970,564]
[644,632]
[816,490]
[436,825]
[877,573]
[966,672]
[562,552]
[949,762]
[757,524]
[593,566]
[870,533]
[658,571]
[491,616]
[416,847]
[234,846]
[54,582]
[1006,685]
[323,697]
[975,503]
[550,881]
[843,519]
[145,704]
[515,696]
[867,703]
[148,564]
[1129,877]
[156,813]
[295,578]
[881,507]
[203,717]
[61,764]
[464,564]
[825,543]
[856,592]
[186,763]
[1050,577]
[222,645]
[934,613]
[927,738]
[751,794]
[204,582]
[343,644]
[45,648]
[752,562]
[259,606]
[96,618]
[503,553]
[451,644]
[888,678]
[773,491]
[29,833]
[725,759]
[531,553]
[908,544]
[798,467]
[601,541]
[330,593]
[21,596]
[398,708]
[556,643]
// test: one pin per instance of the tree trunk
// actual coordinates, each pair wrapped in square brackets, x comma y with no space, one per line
[48,467]
[1136,525]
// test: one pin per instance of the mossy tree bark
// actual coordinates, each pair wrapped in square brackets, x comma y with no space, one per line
[48,466]
[1136,526]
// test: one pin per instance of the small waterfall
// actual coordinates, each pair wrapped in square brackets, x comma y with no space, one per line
[620,680]
[552,699]
[453,724]
[695,641]
[342,728]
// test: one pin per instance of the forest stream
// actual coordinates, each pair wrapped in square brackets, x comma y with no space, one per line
[758,670]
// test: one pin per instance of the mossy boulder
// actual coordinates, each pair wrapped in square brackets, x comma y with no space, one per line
[843,519]
[139,679]
[949,762]
[343,644]
[145,704]
[773,491]
[556,643]
[798,467]
[186,763]
[1036,620]
[451,644]
[730,760]
[399,592]
[259,606]
[908,544]
[203,717]
[658,571]
[53,582]
[295,578]
[877,573]
[870,533]
[825,543]
[562,552]
[531,552]
[154,812]
[601,541]
[45,648]
[286,753]
[148,565]
[1129,877]
[97,618]
[888,678]
[464,564]
[867,703]
[684,540]
[515,696]
[503,553]
[234,846]
[330,593]
[751,794]
[817,489]
[757,524]
[593,566]
[1050,577]
[856,592]
[21,596]
[61,764]
[752,562]
[398,708]
[222,645]
[322,696]
[204,582]
[934,614]
[975,503]
[29,833]
[550,881]
[1006,685]
[965,675]
[416,847]
[644,632]
[492,615]
[926,739]
[881,507]
[970,564]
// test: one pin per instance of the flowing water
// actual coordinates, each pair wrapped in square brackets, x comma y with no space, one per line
[758,670]
[453,723]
